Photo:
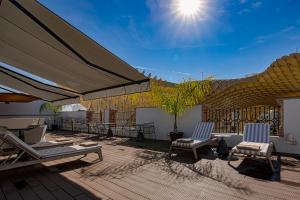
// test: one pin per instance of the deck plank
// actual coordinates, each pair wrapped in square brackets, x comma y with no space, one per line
[9,190]
[61,195]
[2,196]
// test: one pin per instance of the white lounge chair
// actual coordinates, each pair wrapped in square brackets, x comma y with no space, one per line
[256,142]
[36,138]
[201,137]
[12,160]
[52,144]
[35,135]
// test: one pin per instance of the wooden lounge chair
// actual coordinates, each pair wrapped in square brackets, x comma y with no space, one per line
[256,142]
[201,137]
[13,160]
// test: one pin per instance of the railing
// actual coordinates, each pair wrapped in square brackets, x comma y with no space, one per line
[233,120]
[123,126]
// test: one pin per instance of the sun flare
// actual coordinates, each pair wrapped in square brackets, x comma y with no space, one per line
[190,8]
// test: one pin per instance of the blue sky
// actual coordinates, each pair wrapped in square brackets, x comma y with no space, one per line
[229,39]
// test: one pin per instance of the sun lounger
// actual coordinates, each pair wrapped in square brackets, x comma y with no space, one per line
[38,156]
[52,144]
[255,142]
[36,139]
[201,137]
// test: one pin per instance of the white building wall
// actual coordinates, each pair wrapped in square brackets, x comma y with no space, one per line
[106,116]
[74,114]
[164,122]
[33,109]
[291,120]
[21,109]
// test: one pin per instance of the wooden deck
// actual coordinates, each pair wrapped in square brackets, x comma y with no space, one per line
[131,171]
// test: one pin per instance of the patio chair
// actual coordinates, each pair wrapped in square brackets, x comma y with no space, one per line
[201,137]
[256,142]
[38,156]
[43,144]
[35,135]
[36,138]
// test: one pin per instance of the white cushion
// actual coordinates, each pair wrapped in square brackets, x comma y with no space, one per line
[194,144]
[265,149]
[60,151]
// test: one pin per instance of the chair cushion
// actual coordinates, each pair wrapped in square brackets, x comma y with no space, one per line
[185,140]
[248,146]
[52,144]
[88,144]
[265,149]
[62,139]
[193,144]
[66,150]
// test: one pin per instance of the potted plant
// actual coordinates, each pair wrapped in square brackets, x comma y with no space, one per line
[176,99]
[54,109]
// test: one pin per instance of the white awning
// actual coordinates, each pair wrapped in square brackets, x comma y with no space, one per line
[36,40]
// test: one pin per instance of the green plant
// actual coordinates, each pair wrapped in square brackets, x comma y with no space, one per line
[47,106]
[175,100]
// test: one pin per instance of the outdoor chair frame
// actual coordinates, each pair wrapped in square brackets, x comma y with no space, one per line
[258,134]
[201,137]
[12,159]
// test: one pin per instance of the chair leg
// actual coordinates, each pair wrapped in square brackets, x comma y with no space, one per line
[100,155]
[195,153]
[170,151]
[269,160]
[229,157]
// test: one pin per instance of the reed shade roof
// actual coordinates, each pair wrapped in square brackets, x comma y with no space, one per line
[36,40]
[280,80]
[16,98]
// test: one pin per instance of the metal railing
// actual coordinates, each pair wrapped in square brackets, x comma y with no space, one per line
[233,120]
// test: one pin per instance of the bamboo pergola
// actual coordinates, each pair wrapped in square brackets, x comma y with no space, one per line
[280,80]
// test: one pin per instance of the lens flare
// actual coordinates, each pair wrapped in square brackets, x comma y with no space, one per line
[190,9]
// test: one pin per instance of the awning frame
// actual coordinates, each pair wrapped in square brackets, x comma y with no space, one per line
[23,81]
[136,81]
[64,43]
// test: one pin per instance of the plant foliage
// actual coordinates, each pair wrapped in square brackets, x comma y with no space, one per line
[50,107]
[175,100]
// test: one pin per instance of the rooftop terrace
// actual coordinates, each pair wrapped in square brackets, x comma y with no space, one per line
[133,170]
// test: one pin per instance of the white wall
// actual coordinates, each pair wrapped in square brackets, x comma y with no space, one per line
[291,120]
[164,122]
[73,114]
[20,109]
[106,116]
[33,108]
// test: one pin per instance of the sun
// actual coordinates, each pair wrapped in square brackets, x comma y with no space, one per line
[190,8]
